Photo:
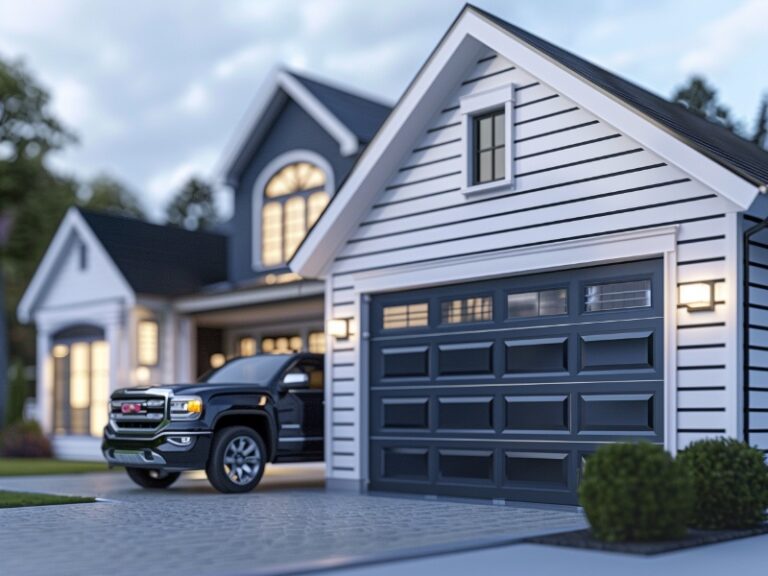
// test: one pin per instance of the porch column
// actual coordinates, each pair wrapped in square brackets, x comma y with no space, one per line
[44,381]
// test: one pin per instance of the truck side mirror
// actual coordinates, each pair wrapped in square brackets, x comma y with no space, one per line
[297,380]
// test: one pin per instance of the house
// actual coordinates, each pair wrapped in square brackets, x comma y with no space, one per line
[532,258]
[119,302]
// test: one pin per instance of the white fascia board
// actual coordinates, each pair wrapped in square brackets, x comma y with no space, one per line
[452,58]
[340,219]
[613,111]
[348,143]
[260,295]
[72,222]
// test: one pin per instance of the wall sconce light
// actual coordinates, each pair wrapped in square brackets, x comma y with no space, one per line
[338,328]
[697,296]
[143,375]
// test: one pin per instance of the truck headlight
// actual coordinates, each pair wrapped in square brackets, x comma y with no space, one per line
[186,407]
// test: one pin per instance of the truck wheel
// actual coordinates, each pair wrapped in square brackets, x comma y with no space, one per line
[237,460]
[152,478]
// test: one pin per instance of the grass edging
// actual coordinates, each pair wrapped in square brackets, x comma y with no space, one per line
[47,466]
[11,499]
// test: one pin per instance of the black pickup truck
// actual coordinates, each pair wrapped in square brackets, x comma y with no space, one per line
[252,410]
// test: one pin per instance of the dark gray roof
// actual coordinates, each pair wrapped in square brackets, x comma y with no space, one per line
[160,260]
[715,141]
[361,115]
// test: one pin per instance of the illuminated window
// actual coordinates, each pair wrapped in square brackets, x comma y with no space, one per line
[281,344]
[405,316]
[295,198]
[317,342]
[99,386]
[247,346]
[148,343]
[478,309]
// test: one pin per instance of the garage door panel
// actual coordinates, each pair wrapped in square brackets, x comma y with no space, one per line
[526,413]
[472,413]
[537,355]
[465,358]
[474,392]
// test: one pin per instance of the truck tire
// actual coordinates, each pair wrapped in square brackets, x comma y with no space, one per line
[154,479]
[237,460]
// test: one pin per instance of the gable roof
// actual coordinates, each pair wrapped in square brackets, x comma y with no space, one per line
[160,260]
[705,151]
[351,119]
[713,140]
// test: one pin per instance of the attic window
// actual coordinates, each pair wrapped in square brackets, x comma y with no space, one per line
[83,256]
[487,140]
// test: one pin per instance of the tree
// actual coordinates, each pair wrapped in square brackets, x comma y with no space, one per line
[760,136]
[700,98]
[193,207]
[105,194]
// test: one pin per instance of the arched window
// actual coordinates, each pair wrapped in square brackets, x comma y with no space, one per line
[294,198]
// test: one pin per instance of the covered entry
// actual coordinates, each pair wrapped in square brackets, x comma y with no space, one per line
[502,388]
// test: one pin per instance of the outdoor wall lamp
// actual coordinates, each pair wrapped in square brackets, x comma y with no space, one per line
[143,375]
[697,296]
[338,328]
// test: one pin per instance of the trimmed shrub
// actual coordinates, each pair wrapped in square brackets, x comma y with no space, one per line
[730,483]
[635,492]
[25,440]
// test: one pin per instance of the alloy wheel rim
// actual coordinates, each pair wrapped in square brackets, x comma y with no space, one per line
[242,460]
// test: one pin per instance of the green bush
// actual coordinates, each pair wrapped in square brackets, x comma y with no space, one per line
[730,482]
[24,440]
[634,492]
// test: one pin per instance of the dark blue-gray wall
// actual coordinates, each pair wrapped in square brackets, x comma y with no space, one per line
[292,129]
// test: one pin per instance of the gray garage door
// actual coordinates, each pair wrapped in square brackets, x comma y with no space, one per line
[502,389]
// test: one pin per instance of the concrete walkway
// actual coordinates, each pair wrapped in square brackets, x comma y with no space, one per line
[290,523]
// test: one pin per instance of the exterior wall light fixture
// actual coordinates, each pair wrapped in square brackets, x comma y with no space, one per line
[338,328]
[697,296]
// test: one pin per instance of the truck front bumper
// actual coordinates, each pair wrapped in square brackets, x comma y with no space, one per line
[172,450]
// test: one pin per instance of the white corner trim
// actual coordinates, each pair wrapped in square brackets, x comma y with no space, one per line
[621,246]
[257,194]
[476,104]
[73,222]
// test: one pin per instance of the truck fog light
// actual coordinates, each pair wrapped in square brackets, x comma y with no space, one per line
[180,440]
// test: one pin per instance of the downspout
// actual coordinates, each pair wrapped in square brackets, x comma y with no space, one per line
[762,225]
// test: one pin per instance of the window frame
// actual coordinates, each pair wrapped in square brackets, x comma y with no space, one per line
[474,107]
[615,280]
[478,150]
[537,291]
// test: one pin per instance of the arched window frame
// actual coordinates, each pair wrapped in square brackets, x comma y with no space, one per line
[258,199]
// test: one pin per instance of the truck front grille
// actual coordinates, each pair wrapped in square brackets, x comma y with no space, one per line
[144,413]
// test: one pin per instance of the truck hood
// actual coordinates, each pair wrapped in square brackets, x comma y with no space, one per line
[199,388]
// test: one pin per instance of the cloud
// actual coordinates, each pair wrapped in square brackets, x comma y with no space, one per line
[195,99]
[163,184]
[241,61]
[722,40]
[79,109]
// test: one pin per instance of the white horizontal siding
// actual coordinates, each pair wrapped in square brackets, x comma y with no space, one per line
[575,176]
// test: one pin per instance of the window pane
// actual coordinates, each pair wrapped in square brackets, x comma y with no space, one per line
[485,167]
[498,163]
[99,386]
[617,296]
[272,234]
[523,305]
[484,132]
[406,316]
[148,343]
[295,225]
[247,346]
[315,206]
[478,309]
[553,302]
[498,129]
[317,342]
[295,178]
[281,344]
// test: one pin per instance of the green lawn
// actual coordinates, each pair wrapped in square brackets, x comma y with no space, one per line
[20,499]
[35,466]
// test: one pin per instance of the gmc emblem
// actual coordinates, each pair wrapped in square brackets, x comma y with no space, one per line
[130,408]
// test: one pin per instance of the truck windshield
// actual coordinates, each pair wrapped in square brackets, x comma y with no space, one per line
[257,370]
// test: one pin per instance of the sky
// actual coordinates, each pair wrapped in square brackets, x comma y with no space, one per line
[156,89]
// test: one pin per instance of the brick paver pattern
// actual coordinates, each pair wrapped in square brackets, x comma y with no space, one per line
[282,526]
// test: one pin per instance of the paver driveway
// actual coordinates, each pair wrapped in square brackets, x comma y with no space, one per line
[289,524]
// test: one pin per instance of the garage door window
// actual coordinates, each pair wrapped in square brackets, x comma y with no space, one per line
[464,310]
[405,316]
[533,304]
[617,296]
